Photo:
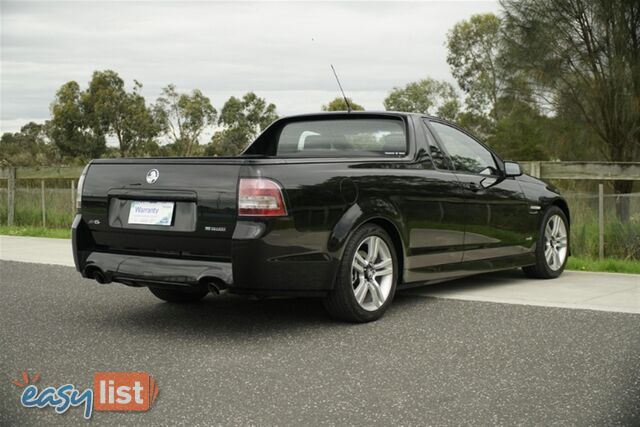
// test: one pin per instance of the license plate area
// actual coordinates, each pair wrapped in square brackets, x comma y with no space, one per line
[184,216]
[151,213]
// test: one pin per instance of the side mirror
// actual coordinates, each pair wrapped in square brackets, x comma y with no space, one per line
[512,169]
[436,153]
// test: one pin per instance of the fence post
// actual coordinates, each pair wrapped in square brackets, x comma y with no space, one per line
[73,198]
[44,210]
[11,196]
[601,221]
[535,169]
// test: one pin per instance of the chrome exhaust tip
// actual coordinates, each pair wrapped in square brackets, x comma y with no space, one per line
[217,287]
[97,274]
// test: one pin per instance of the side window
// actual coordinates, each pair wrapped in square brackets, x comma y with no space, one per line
[467,155]
[439,159]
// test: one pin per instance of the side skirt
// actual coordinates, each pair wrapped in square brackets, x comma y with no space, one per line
[443,273]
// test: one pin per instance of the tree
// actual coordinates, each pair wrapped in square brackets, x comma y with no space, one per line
[427,96]
[228,142]
[501,106]
[72,128]
[184,117]
[572,137]
[338,104]
[586,52]
[27,147]
[522,134]
[477,63]
[119,113]
[241,120]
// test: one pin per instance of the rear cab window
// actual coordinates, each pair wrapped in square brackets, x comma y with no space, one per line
[337,137]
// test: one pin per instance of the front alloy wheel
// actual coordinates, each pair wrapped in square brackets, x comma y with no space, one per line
[555,242]
[367,276]
[552,248]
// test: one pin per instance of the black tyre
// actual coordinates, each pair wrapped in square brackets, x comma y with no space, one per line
[552,248]
[178,295]
[367,277]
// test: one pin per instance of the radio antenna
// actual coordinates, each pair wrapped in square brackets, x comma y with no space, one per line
[346,100]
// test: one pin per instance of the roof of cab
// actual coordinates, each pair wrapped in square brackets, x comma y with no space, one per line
[352,114]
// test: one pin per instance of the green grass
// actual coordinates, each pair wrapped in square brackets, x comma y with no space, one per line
[58,233]
[608,265]
[621,241]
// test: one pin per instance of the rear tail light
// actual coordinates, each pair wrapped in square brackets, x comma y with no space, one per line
[260,197]
[80,187]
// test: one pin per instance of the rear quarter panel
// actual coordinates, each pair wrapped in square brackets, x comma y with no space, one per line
[326,203]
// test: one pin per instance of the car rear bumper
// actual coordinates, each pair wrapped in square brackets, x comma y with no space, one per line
[258,266]
[144,270]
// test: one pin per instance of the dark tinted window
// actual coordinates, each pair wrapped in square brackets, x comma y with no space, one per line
[343,137]
[466,153]
[439,159]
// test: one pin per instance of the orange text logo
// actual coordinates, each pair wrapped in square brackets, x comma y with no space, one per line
[123,391]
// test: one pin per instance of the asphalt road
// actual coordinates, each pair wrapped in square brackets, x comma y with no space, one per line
[230,360]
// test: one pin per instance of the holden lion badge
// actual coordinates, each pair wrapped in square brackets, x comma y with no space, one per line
[152,176]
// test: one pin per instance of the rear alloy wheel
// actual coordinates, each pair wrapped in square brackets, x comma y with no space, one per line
[552,249]
[179,296]
[367,278]
[372,273]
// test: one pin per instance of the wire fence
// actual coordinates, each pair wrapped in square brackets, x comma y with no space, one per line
[51,204]
[40,203]
[615,238]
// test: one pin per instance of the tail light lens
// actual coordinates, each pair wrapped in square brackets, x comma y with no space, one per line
[80,187]
[260,197]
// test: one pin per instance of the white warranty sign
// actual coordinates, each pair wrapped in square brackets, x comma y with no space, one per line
[151,213]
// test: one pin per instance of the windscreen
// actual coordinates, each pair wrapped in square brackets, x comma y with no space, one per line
[343,138]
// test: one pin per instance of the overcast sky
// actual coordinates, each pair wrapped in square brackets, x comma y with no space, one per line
[282,51]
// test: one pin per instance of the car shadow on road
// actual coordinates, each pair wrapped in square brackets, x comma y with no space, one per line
[231,315]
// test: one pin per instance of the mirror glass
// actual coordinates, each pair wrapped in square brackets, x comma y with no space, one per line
[512,169]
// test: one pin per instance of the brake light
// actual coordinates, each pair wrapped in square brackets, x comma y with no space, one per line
[260,197]
[80,188]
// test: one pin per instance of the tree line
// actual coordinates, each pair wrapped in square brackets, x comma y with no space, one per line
[83,120]
[545,80]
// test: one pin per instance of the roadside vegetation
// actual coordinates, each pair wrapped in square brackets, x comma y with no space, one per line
[56,233]
[608,265]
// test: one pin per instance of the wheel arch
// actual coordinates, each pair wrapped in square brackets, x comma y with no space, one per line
[355,218]
[562,204]
[398,245]
[564,207]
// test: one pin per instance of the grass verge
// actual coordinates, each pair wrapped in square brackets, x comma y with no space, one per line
[608,265]
[58,233]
